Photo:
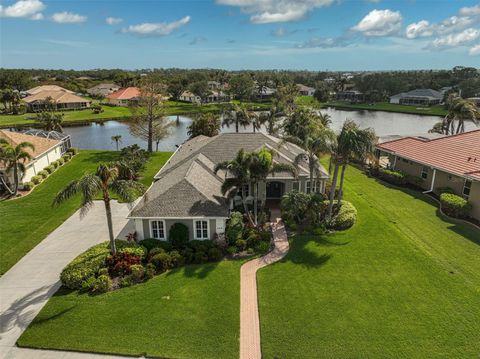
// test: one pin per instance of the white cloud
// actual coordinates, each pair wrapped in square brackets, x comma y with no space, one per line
[453,24]
[156,29]
[23,8]
[68,18]
[271,11]
[113,20]
[323,42]
[453,40]
[66,42]
[282,32]
[379,23]
[419,29]
[475,50]
[37,16]
[466,11]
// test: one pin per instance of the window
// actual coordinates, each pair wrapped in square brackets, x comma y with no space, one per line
[296,186]
[157,229]
[246,188]
[424,172]
[316,187]
[201,230]
[466,188]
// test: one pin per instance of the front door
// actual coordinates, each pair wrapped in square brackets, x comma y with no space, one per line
[275,189]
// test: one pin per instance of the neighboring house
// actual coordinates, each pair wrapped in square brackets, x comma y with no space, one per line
[124,97]
[52,135]
[350,95]
[305,90]
[46,151]
[419,97]
[35,90]
[186,189]
[62,101]
[265,92]
[214,96]
[449,161]
[188,96]
[103,89]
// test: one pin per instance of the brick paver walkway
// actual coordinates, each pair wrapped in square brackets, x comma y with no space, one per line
[249,320]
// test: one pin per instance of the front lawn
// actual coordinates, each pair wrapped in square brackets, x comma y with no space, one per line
[26,221]
[437,110]
[190,312]
[402,283]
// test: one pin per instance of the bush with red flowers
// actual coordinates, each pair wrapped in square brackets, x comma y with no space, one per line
[119,264]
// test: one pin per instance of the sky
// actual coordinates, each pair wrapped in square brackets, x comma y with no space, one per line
[318,35]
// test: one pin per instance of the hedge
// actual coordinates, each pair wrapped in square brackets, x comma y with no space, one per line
[394,177]
[454,206]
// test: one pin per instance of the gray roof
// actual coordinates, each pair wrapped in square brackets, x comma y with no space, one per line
[425,93]
[186,185]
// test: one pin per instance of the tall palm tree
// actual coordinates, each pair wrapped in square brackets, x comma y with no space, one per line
[105,181]
[237,115]
[14,158]
[117,139]
[50,121]
[352,142]
[459,111]
[261,166]
[270,119]
[237,177]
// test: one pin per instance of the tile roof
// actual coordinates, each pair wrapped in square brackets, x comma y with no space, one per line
[38,89]
[456,154]
[187,186]
[125,93]
[57,96]
[41,144]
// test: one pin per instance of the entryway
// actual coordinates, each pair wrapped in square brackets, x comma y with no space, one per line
[275,189]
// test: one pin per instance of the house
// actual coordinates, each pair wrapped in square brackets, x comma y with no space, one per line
[61,100]
[305,90]
[123,97]
[188,96]
[187,190]
[350,95]
[103,89]
[35,90]
[265,92]
[419,97]
[214,96]
[46,151]
[449,161]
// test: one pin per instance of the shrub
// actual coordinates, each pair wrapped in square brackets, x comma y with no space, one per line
[103,284]
[120,263]
[72,150]
[319,230]
[394,177]
[188,254]
[178,235]
[455,206]
[126,281]
[135,251]
[200,257]
[344,218]
[150,243]
[232,250]
[60,161]
[150,271]
[155,251]
[50,169]
[241,244]
[103,271]
[215,254]
[138,272]
[88,284]
[27,186]
[414,180]
[55,164]
[199,245]
[162,262]
[262,247]
[441,190]
[43,174]
[176,259]
[66,157]
[234,228]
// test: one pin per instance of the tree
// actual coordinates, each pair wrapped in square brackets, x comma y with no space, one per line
[200,89]
[352,142]
[175,87]
[459,111]
[270,119]
[117,139]
[285,98]
[207,124]
[238,115]
[161,129]
[237,177]
[302,122]
[147,114]
[322,92]
[14,158]
[242,87]
[105,181]
[50,121]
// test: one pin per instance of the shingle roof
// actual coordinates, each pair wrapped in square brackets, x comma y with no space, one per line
[57,96]
[105,86]
[41,144]
[187,186]
[125,93]
[457,154]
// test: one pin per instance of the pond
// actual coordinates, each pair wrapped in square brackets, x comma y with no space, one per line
[98,135]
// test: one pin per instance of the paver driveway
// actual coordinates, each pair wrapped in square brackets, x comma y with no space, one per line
[28,285]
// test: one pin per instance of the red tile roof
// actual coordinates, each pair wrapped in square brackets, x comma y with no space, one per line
[456,154]
[125,93]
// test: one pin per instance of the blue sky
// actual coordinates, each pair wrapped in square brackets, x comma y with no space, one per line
[240,34]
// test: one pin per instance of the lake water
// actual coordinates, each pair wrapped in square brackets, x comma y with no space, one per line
[98,135]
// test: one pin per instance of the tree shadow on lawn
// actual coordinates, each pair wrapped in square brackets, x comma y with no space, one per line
[103,156]
[199,271]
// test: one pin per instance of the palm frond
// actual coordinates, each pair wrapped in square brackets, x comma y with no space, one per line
[127,190]
[229,184]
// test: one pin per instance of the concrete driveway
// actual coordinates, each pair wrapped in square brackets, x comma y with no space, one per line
[28,285]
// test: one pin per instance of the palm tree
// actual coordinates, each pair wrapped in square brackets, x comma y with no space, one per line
[459,111]
[271,118]
[117,139]
[237,115]
[261,166]
[50,121]
[105,181]
[14,158]
[237,177]
[352,142]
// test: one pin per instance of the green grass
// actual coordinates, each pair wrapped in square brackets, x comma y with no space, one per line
[437,110]
[27,221]
[117,113]
[192,312]
[402,283]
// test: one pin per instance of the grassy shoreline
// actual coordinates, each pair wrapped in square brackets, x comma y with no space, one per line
[437,110]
